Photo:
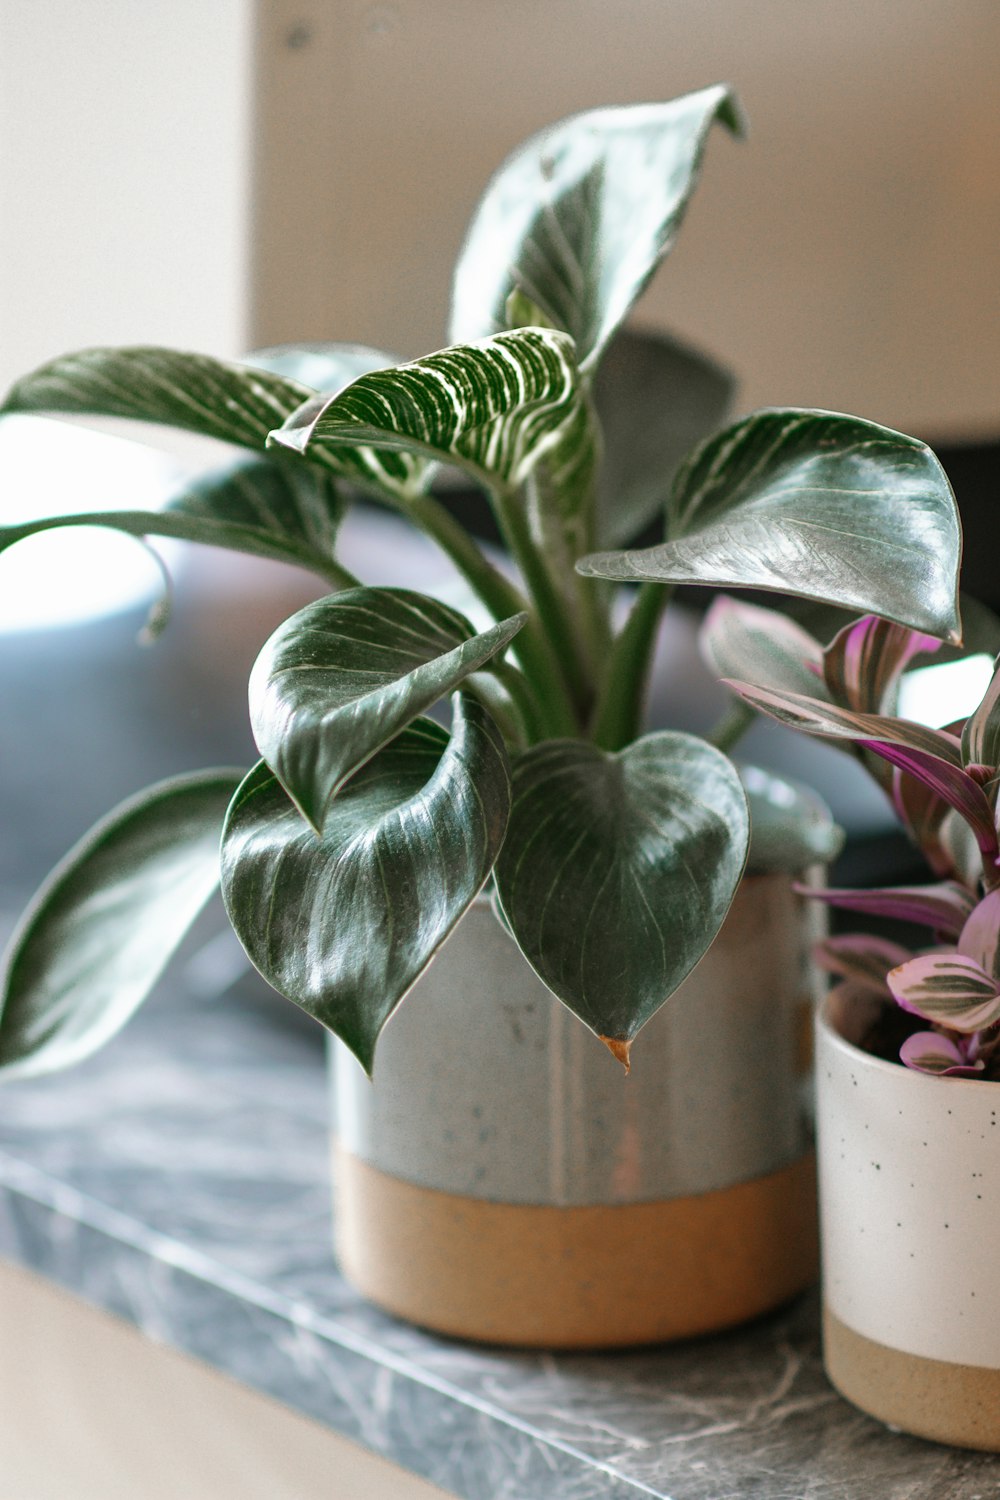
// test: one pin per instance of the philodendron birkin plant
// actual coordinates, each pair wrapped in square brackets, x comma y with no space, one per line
[354,846]
[944,785]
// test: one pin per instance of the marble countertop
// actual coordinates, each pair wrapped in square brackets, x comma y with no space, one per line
[181,1180]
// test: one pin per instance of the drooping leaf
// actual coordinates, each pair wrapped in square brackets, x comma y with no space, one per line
[923,812]
[345,924]
[581,215]
[930,1052]
[981,736]
[863,663]
[948,989]
[286,511]
[762,647]
[341,677]
[103,926]
[231,402]
[492,408]
[322,367]
[790,827]
[655,400]
[862,958]
[948,782]
[944,907]
[618,870]
[817,504]
[980,937]
[812,715]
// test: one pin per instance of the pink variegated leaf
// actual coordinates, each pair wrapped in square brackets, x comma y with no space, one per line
[863,663]
[981,736]
[830,721]
[945,907]
[961,850]
[980,937]
[922,812]
[948,989]
[951,783]
[929,1052]
[863,958]
[761,646]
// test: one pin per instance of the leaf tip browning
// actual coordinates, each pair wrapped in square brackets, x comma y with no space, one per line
[621,1049]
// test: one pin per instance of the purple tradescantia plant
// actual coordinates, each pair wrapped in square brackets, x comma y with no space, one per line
[943,784]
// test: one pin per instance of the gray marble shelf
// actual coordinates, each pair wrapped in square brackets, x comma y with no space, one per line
[181,1180]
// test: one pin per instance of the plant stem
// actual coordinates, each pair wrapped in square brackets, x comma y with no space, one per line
[732,726]
[620,708]
[519,690]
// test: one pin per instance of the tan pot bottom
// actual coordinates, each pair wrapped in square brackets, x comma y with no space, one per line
[958,1404]
[600,1276]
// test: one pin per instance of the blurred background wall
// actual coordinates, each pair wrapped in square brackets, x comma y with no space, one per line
[222,173]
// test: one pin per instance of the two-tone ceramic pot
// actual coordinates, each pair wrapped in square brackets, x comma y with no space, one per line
[910,1200]
[503,1180]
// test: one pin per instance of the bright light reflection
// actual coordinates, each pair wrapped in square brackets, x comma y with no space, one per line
[941,694]
[69,576]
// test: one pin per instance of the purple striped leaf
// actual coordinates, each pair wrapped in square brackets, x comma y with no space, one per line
[950,782]
[980,937]
[948,989]
[864,662]
[813,716]
[929,1052]
[922,812]
[981,736]
[945,907]
[863,958]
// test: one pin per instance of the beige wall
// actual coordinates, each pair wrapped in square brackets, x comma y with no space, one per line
[847,255]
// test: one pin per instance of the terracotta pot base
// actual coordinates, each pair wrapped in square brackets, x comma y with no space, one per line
[598,1276]
[932,1398]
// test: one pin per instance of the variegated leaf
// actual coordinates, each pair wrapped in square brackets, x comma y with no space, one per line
[944,907]
[923,813]
[813,504]
[861,957]
[494,408]
[961,849]
[811,715]
[948,782]
[345,924]
[947,989]
[341,677]
[930,1052]
[864,662]
[980,937]
[581,215]
[981,736]
[618,869]
[762,647]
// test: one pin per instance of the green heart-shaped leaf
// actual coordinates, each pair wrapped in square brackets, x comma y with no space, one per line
[100,931]
[344,675]
[656,399]
[231,402]
[578,219]
[492,408]
[815,504]
[617,871]
[345,925]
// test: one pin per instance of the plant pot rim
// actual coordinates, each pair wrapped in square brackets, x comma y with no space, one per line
[827,1027]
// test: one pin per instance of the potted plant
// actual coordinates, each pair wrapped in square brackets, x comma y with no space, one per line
[908,1050]
[501,1179]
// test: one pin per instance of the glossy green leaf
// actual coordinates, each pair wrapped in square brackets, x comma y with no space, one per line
[493,408]
[816,504]
[345,924]
[282,510]
[323,367]
[100,931]
[344,675]
[581,215]
[762,647]
[790,827]
[618,870]
[234,403]
[655,399]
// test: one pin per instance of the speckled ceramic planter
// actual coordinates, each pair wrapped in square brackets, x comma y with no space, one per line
[910,1196]
[503,1180]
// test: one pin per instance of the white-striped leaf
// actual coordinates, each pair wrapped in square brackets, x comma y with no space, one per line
[930,1052]
[345,924]
[980,937]
[762,647]
[618,870]
[863,663]
[947,989]
[812,715]
[493,408]
[981,736]
[341,677]
[581,215]
[862,958]
[813,504]
[102,928]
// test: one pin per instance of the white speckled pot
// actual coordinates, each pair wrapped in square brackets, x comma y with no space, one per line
[910,1209]
[503,1179]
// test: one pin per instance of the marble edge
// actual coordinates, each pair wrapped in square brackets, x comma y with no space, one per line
[567,1471]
